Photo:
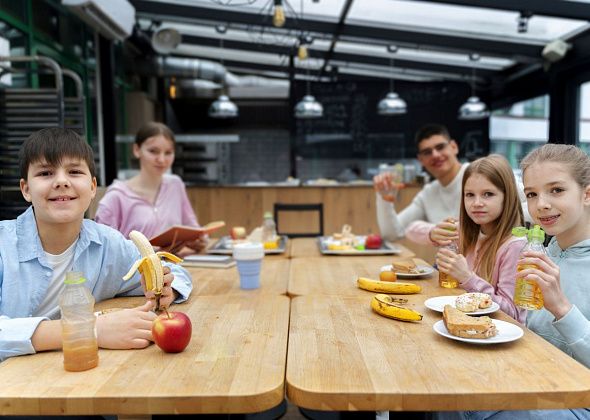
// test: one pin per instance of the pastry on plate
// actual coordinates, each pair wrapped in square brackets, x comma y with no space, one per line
[472,302]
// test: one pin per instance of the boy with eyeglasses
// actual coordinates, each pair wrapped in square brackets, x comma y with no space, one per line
[437,201]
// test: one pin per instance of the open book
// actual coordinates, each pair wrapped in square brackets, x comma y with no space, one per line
[178,234]
[210,261]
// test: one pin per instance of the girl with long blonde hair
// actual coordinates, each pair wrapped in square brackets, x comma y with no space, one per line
[488,252]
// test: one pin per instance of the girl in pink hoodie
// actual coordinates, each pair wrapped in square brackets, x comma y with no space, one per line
[488,253]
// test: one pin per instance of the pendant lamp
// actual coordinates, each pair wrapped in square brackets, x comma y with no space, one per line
[223,107]
[308,107]
[392,104]
[474,108]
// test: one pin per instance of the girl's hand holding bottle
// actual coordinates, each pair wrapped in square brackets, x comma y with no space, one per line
[547,277]
[449,262]
[445,232]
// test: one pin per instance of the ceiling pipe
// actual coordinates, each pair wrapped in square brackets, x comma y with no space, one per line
[193,68]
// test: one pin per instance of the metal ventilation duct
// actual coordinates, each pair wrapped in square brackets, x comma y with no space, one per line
[180,67]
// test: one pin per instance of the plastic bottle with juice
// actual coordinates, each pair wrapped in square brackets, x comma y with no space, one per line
[527,293]
[269,231]
[446,280]
[78,323]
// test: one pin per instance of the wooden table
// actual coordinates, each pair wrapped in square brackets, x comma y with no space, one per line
[274,276]
[308,247]
[331,275]
[343,356]
[235,363]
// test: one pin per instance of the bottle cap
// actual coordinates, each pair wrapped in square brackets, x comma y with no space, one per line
[537,233]
[519,231]
[74,277]
[267,215]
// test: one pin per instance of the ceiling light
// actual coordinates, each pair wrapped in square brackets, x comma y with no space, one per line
[223,107]
[392,104]
[165,40]
[278,17]
[308,108]
[474,108]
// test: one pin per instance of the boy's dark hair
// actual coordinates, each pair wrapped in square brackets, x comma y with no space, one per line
[52,145]
[152,129]
[429,130]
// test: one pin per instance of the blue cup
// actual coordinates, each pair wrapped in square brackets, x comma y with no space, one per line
[248,258]
[249,273]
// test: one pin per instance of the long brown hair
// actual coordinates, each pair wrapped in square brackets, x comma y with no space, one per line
[494,168]
[152,129]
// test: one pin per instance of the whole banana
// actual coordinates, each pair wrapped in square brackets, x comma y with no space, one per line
[389,307]
[393,287]
[149,265]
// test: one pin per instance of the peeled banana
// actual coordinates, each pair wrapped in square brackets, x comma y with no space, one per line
[149,265]
[389,307]
[393,287]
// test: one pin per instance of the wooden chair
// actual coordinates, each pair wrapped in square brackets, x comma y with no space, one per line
[292,207]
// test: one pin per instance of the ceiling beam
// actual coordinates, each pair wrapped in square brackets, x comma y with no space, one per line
[560,9]
[339,56]
[159,10]
[336,33]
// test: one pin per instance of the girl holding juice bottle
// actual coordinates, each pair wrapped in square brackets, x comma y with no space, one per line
[557,186]
[488,252]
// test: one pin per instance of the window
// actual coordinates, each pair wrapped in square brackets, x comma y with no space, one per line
[518,129]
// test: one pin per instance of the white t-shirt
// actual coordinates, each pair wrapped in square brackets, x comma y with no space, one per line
[61,264]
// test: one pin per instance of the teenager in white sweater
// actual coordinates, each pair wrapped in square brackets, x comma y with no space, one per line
[438,200]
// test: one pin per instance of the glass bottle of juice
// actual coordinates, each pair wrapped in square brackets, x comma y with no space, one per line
[78,324]
[446,280]
[527,293]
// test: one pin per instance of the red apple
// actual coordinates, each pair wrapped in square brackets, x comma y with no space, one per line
[373,241]
[238,232]
[172,331]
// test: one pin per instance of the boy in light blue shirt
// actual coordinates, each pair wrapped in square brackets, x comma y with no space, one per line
[51,237]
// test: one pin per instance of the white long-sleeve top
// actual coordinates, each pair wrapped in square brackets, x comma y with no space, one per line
[432,205]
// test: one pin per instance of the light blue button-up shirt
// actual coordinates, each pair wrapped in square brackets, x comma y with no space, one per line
[102,254]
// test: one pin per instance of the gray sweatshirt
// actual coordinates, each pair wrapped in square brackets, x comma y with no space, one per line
[571,333]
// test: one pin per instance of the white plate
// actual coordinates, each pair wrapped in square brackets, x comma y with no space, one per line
[506,332]
[425,271]
[438,304]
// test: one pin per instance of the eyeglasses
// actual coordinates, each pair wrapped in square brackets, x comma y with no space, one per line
[428,152]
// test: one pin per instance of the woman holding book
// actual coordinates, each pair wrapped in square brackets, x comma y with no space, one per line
[153,200]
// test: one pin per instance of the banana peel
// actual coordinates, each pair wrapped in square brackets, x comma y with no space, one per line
[390,307]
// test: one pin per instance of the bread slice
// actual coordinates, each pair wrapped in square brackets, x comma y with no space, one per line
[405,266]
[463,325]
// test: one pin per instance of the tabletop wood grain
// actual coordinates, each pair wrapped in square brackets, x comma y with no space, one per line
[235,363]
[337,275]
[274,276]
[343,356]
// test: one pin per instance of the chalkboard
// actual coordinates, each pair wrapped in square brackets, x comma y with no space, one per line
[351,127]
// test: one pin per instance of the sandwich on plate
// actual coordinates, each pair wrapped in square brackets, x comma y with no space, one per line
[405,267]
[462,325]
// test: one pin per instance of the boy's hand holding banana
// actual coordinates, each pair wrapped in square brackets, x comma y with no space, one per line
[156,279]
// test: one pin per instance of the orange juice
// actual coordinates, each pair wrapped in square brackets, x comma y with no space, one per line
[527,293]
[447,281]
